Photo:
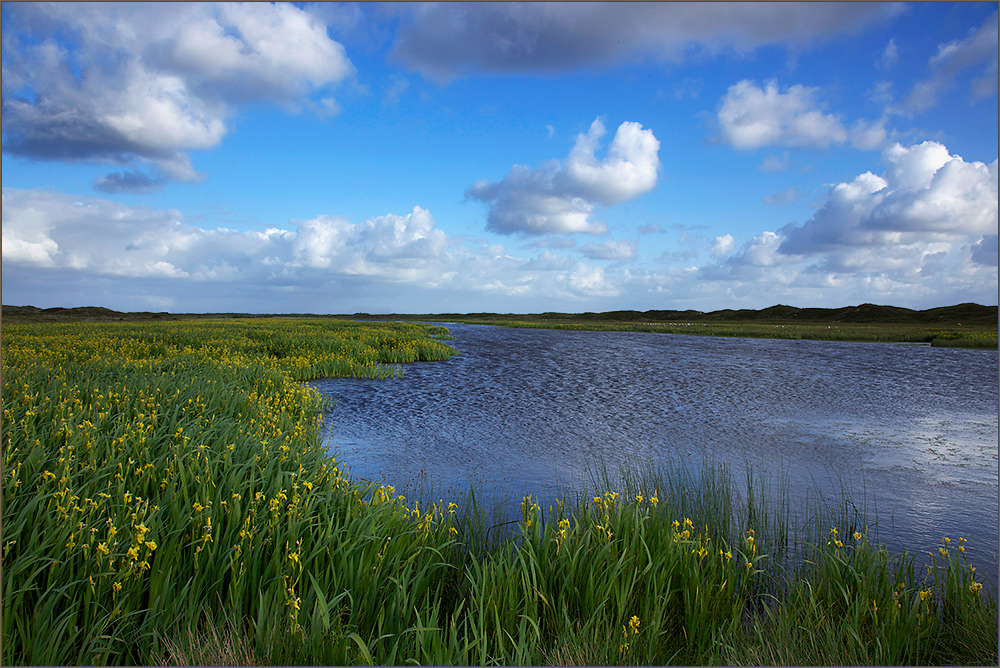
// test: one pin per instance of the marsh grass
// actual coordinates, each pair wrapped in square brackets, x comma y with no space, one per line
[976,336]
[167,500]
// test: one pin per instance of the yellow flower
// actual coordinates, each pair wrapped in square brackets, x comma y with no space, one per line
[117,587]
[103,549]
[975,587]
[198,507]
[638,498]
[943,551]
[857,536]
[151,545]
[634,624]
[926,595]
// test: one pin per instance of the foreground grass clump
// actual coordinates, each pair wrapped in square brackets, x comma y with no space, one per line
[166,499]
[153,473]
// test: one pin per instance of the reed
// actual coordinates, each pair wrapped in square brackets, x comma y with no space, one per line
[167,499]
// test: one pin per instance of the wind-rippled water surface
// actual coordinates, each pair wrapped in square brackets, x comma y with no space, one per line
[911,428]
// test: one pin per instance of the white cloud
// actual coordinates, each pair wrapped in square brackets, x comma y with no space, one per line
[610,250]
[930,216]
[456,39]
[154,81]
[751,117]
[591,281]
[559,198]
[723,246]
[868,136]
[629,170]
[549,261]
[134,256]
[978,50]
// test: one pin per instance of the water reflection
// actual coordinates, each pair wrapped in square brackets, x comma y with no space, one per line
[912,427]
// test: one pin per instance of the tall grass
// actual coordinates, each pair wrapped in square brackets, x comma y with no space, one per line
[166,499]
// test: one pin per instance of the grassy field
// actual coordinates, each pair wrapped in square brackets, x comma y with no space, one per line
[958,326]
[166,499]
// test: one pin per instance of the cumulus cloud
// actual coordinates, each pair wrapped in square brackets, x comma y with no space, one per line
[723,246]
[103,238]
[138,256]
[751,117]
[925,196]
[978,50]
[929,216]
[145,83]
[447,41]
[559,198]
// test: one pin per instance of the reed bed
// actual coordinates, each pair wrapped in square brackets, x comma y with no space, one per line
[167,500]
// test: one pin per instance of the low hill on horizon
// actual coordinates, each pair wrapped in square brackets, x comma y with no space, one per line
[967,313]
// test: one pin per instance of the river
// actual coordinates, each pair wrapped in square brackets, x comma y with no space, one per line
[911,429]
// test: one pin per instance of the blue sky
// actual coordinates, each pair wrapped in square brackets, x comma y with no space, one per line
[517,158]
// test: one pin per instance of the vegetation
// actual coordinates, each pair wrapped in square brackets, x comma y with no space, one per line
[964,325]
[959,326]
[167,499]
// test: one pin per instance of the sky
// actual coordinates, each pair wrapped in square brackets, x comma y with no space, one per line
[512,158]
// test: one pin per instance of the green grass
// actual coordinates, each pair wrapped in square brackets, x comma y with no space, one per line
[167,499]
[969,337]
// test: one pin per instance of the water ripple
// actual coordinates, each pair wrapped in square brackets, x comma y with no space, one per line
[534,410]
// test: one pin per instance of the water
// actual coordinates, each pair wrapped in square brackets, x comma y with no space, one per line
[912,429]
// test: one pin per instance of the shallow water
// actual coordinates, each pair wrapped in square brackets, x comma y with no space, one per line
[910,428]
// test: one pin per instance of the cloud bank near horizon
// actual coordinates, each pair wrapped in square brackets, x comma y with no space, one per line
[923,229]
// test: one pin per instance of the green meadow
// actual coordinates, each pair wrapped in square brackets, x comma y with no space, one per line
[960,326]
[167,500]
